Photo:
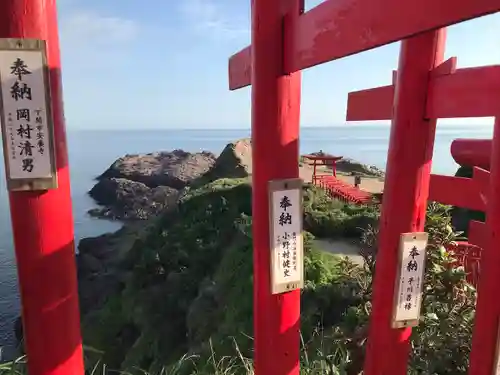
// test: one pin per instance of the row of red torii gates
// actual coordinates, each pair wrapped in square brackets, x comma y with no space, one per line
[286,40]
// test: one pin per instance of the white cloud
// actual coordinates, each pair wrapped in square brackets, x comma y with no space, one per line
[91,40]
[206,16]
[215,19]
[84,27]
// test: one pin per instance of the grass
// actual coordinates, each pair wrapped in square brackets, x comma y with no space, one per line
[237,364]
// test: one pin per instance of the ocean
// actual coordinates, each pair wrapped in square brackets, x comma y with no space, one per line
[91,152]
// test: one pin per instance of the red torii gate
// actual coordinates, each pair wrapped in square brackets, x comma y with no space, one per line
[455,93]
[284,41]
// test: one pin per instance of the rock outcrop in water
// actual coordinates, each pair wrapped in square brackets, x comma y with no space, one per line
[354,167]
[235,161]
[130,200]
[137,187]
[98,262]
[175,169]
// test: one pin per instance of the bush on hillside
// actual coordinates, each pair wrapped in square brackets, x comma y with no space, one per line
[329,218]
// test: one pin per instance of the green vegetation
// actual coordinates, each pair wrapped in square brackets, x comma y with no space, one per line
[185,305]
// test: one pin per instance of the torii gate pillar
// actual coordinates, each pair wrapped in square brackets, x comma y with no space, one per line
[42,221]
[275,144]
[405,194]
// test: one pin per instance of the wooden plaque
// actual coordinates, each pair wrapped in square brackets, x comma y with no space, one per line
[26,115]
[285,235]
[409,279]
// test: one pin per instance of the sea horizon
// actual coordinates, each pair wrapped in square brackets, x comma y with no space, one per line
[354,124]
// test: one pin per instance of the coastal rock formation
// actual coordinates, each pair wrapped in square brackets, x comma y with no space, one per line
[99,267]
[98,262]
[129,200]
[137,187]
[353,167]
[235,161]
[175,169]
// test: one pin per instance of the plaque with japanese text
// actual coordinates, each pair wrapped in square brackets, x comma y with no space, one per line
[286,241]
[26,115]
[409,280]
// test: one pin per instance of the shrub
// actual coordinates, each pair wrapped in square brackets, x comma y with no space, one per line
[329,218]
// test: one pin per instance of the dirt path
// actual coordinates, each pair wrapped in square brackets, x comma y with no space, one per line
[341,248]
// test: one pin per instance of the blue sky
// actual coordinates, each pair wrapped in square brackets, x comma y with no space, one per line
[130,64]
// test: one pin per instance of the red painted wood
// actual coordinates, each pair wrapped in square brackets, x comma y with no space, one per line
[481,178]
[447,67]
[478,234]
[487,308]
[467,255]
[240,69]
[470,92]
[452,94]
[343,191]
[330,161]
[405,192]
[463,192]
[472,152]
[42,222]
[455,191]
[371,104]
[275,133]
[339,28]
